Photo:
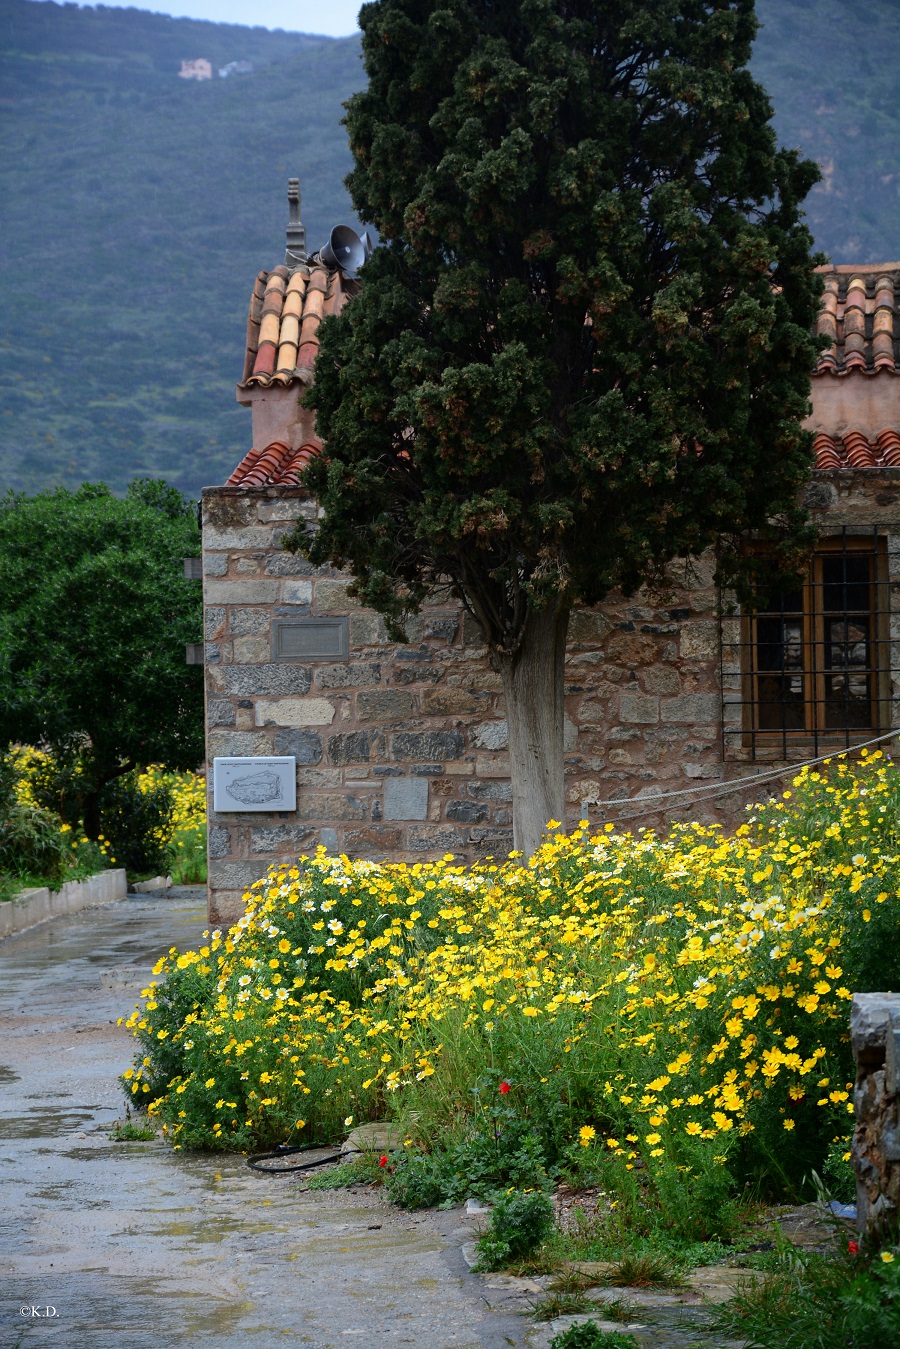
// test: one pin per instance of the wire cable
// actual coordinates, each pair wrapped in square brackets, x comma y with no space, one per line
[720,788]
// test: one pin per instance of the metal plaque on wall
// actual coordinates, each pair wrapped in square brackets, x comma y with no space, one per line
[308,639]
[255,784]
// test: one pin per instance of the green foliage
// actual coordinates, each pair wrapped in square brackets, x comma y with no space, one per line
[588,1335]
[188,866]
[31,842]
[592,317]
[814,1302]
[95,617]
[837,1173]
[137,824]
[155,191]
[496,1146]
[520,1221]
[132,1133]
[363,1170]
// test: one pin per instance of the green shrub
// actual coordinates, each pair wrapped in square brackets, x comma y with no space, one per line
[31,843]
[520,1222]
[138,824]
[422,1180]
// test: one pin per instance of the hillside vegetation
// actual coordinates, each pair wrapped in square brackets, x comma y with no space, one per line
[137,208]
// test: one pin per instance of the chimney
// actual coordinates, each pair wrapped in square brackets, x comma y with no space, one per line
[296,234]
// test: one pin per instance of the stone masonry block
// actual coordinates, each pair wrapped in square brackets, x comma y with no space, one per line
[215,564]
[406,799]
[241,592]
[329,839]
[367,630]
[371,842]
[466,812]
[638,708]
[700,641]
[892,1053]
[385,705]
[294,712]
[235,875]
[249,622]
[332,595]
[251,680]
[288,564]
[316,806]
[661,679]
[279,837]
[491,735]
[489,791]
[219,841]
[306,746]
[296,592]
[355,747]
[587,627]
[347,676]
[452,702]
[225,510]
[237,744]
[694,708]
[443,627]
[251,650]
[219,712]
[213,622]
[285,508]
[433,838]
[429,746]
[870,1019]
[230,540]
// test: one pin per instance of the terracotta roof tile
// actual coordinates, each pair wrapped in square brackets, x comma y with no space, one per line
[286,308]
[860,315]
[276,465]
[855,450]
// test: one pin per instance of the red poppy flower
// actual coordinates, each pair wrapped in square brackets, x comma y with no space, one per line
[382,1160]
[504,1088]
[853,1247]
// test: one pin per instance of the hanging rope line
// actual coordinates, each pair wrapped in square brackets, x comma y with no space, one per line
[720,788]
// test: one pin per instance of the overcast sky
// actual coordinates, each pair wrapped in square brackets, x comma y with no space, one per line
[336,18]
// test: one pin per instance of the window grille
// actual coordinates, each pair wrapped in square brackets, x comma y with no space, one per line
[813,670]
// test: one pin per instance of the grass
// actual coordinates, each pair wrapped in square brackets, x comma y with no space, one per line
[363,1170]
[814,1301]
[646,1269]
[126,1132]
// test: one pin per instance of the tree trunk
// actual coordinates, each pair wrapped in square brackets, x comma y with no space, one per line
[533,687]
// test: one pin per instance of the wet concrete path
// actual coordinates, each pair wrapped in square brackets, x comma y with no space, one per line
[129,1245]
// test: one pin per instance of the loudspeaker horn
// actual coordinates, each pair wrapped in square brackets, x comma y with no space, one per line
[345,249]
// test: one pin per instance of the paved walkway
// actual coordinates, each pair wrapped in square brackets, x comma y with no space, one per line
[131,1245]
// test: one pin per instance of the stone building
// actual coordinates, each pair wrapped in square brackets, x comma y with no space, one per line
[673,711]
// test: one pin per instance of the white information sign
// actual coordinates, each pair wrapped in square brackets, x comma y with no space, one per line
[255,784]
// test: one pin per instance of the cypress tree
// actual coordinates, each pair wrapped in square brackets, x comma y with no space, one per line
[584,349]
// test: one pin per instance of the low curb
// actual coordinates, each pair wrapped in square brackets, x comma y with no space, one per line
[36,906]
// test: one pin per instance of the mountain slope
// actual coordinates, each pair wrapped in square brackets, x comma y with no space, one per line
[137,207]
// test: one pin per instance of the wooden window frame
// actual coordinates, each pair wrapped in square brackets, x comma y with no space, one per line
[787,741]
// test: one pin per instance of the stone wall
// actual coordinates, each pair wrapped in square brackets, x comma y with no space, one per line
[875,1150]
[401,750]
